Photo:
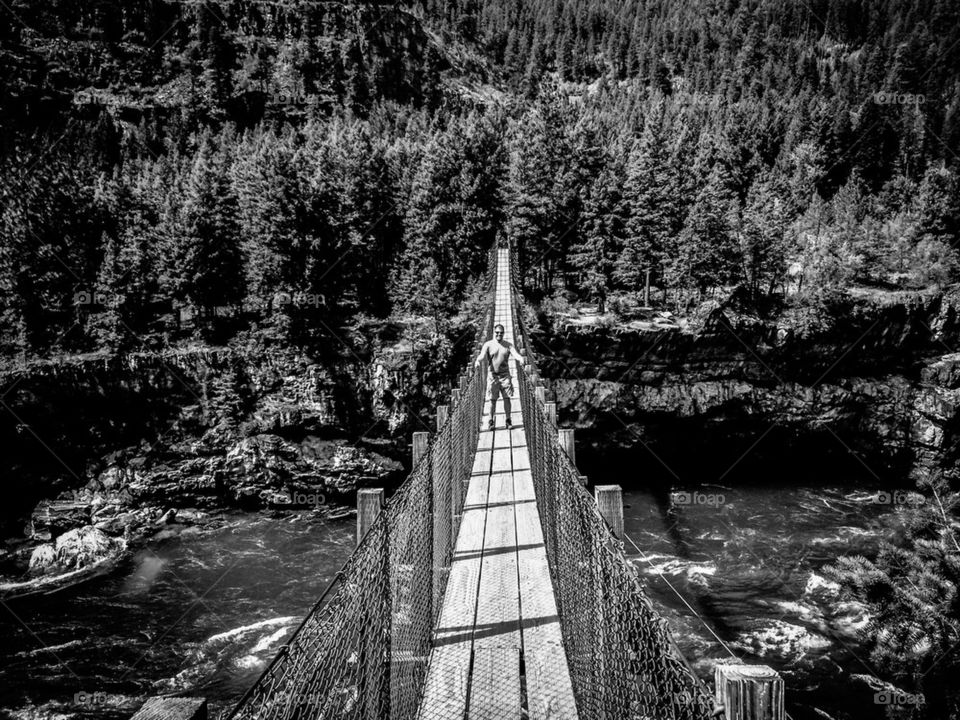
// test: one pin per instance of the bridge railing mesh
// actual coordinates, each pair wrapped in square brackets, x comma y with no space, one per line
[363,649]
[622,660]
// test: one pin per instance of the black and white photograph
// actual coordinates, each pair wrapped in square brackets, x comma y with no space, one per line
[480,360]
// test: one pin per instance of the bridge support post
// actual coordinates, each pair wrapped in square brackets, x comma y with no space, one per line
[749,692]
[442,516]
[552,413]
[456,465]
[421,441]
[583,480]
[369,504]
[565,436]
[540,392]
[610,504]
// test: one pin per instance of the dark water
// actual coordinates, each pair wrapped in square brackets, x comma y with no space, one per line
[152,624]
[172,617]
[746,563]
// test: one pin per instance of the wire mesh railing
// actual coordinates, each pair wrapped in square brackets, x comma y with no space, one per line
[622,660]
[363,649]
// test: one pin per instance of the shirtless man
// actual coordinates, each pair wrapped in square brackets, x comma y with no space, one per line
[499,351]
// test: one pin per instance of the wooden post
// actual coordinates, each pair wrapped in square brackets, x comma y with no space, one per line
[443,411]
[749,692]
[456,467]
[463,384]
[610,504]
[421,441]
[583,480]
[565,436]
[646,290]
[369,504]
[540,392]
[172,708]
[552,413]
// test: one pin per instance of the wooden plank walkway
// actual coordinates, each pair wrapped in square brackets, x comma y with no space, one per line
[499,612]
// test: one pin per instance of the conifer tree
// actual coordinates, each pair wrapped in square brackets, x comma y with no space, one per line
[709,253]
[651,195]
[210,266]
[603,231]
[764,230]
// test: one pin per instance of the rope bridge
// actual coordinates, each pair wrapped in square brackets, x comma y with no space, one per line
[488,586]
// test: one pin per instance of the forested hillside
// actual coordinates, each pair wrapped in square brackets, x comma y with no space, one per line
[198,169]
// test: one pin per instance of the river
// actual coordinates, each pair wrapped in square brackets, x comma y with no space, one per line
[202,611]
[205,610]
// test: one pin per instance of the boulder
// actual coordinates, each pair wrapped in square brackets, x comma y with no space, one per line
[84,546]
[43,558]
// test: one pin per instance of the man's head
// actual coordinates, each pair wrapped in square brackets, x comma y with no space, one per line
[498,331]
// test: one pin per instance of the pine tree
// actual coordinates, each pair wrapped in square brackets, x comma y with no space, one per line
[603,231]
[764,235]
[208,263]
[369,219]
[531,205]
[651,194]
[269,187]
[125,289]
[709,253]
[422,280]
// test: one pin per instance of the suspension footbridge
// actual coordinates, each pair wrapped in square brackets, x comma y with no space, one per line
[491,586]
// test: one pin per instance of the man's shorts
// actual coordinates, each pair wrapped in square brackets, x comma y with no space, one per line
[501,385]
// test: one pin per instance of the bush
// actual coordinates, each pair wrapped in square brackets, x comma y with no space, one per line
[934,262]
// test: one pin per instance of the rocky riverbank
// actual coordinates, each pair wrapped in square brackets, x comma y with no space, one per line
[869,381]
[108,450]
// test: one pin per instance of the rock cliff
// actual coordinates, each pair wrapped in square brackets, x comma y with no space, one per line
[868,383]
[113,444]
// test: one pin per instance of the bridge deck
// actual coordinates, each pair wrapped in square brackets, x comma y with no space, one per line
[499,612]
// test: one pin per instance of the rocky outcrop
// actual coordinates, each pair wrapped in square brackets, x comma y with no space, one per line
[869,381]
[119,444]
[74,550]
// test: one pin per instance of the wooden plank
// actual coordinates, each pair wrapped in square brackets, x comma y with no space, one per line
[481,462]
[501,438]
[549,687]
[502,461]
[521,459]
[495,689]
[446,685]
[549,693]
[498,600]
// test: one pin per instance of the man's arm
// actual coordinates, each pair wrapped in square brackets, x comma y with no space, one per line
[516,356]
[483,351]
